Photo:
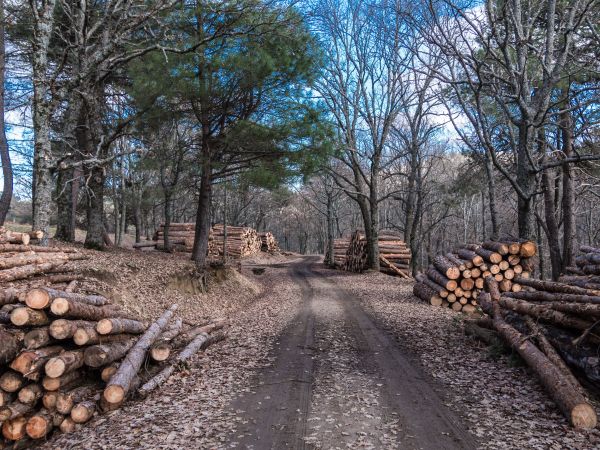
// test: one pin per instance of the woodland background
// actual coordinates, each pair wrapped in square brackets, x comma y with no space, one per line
[447,122]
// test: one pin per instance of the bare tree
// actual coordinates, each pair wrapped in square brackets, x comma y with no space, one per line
[7,172]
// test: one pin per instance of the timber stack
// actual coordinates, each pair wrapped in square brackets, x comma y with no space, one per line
[338,259]
[394,256]
[241,241]
[456,279]
[268,242]
[587,263]
[66,356]
[553,326]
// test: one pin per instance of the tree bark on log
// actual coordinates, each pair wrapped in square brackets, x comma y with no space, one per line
[40,298]
[83,411]
[14,410]
[544,313]
[11,342]
[67,400]
[67,308]
[446,267]
[37,338]
[449,285]
[119,384]
[542,296]
[30,362]
[578,411]
[201,341]
[67,361]
[102,354]
[65,329]
[161,349]
[24,316]
[54,384]
[8,296]
[120,326]
[18,273]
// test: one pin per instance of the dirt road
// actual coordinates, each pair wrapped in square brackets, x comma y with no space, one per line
[340,381]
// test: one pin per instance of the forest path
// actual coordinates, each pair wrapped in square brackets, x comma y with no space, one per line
[339,381]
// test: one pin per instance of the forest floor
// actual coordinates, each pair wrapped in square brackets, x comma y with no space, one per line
[317,358]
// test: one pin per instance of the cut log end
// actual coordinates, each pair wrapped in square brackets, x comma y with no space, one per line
[60,306]
[114,394]
[104,326]
[583,416]
[160,352]
[37,299]
[55,367]
[38,426]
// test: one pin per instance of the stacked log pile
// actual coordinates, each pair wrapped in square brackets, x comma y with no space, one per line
[268,242]
[66,356]
[351,254]
[456,279]
[241,241]
[15,237]
[554,328]
[338,259]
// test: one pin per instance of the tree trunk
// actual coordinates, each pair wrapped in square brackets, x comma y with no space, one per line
[7,172]
[568,200]
[95,209]
[64,202]
[526,182]
[330,231]
[491,185]
[203,218]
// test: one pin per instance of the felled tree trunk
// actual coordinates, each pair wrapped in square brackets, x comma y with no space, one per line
[65,362]
[119,384]
[65,329]
[64,307]
[102,354]
[40,298]
[202,340]
[11,343]
[575,407]
[120,326]
[18,273]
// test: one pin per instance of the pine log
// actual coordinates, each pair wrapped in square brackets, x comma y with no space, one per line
[528,249]
[470,255]
[11,381]
[108,372]
[498,247]
[37,338]
[14,429]
[441,291]
[553,355]
[490,337]
[11,342]
[575,407]
[544,313]
[41,424]
[6,398]
[24,316]
[40,298]
[65,329]
[120,326]
[454,259]
[83,411]
[440,279]
[54,384]
[119,384]
[8,295]
[66,362]
[68,426]
[67,308]
[543,296]
[557,287]
[49,400]
[102,354]
[30,362]
[446,267]
[488,255]
[14,410]
[467,284]
[35,248]
[423,292]
[161,349]
[18,273]
[201,341]
[89,336]
[67,400]
[30,394]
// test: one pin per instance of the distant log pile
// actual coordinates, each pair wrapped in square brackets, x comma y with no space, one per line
[351,254]
[456,279]
[268,242]
[66,356]
[338,259]
[241,241]
[554,328]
